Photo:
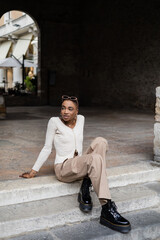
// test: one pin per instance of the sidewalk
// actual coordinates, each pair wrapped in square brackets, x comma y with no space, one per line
[22,134]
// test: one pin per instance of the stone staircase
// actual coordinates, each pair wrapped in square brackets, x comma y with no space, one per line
[28,205]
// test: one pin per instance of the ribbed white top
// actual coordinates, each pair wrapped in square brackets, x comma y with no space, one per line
[66,140]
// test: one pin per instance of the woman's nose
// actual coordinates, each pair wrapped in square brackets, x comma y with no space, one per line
[66,110]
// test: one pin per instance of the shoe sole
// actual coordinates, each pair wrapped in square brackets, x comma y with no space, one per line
[86,208]
[119,228]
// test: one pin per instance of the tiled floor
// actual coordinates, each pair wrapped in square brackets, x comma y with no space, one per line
[22,134]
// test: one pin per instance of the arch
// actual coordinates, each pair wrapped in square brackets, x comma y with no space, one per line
[18,33]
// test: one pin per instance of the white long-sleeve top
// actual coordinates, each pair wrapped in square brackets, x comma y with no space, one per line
[66,140]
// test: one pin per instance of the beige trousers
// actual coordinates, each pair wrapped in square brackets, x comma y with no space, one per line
[91,164]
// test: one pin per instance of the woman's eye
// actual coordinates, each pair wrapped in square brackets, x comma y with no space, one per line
[62,108]
[71,109]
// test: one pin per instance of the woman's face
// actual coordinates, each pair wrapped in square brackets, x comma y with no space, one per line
[69,110]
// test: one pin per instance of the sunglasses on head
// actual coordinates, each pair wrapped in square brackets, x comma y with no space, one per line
[72,98]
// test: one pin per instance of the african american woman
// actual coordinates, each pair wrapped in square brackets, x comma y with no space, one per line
[66,133]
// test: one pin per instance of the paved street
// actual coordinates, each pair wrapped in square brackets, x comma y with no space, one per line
[22,135]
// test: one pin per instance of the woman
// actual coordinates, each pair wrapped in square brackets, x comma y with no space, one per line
[66,133]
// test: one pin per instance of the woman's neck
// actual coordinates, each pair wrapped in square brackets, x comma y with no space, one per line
[70,123]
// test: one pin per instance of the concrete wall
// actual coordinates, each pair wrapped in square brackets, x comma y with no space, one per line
[106,52]
[121,41]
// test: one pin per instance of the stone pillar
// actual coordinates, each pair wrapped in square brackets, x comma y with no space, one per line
[2,108]
[157,129]
[17,75]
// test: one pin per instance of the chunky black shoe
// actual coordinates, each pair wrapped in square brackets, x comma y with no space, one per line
[84,198]
[112,219]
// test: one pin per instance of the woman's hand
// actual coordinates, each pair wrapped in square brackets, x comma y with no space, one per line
[30,174]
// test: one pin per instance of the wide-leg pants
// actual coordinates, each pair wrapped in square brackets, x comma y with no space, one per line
[92,164]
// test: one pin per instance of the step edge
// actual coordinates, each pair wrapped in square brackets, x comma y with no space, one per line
[51,222]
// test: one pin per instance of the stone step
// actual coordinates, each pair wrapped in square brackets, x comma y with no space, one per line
[139,172]
[145,226]
[26,190]
[43,214]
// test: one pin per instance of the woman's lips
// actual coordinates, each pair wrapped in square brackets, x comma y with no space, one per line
[65,117]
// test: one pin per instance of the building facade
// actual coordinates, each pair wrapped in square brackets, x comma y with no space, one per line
[19,40]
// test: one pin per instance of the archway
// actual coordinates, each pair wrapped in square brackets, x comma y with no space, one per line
[79,62]
[19,42]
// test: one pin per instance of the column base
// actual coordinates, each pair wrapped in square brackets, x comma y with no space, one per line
[156,161]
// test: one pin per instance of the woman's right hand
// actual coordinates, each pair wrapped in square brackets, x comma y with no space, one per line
[30,174]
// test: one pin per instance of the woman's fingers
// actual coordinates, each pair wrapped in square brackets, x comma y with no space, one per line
[25,175]
[30,174]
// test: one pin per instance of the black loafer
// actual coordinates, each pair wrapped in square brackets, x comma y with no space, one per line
[84,198]
[112,219]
